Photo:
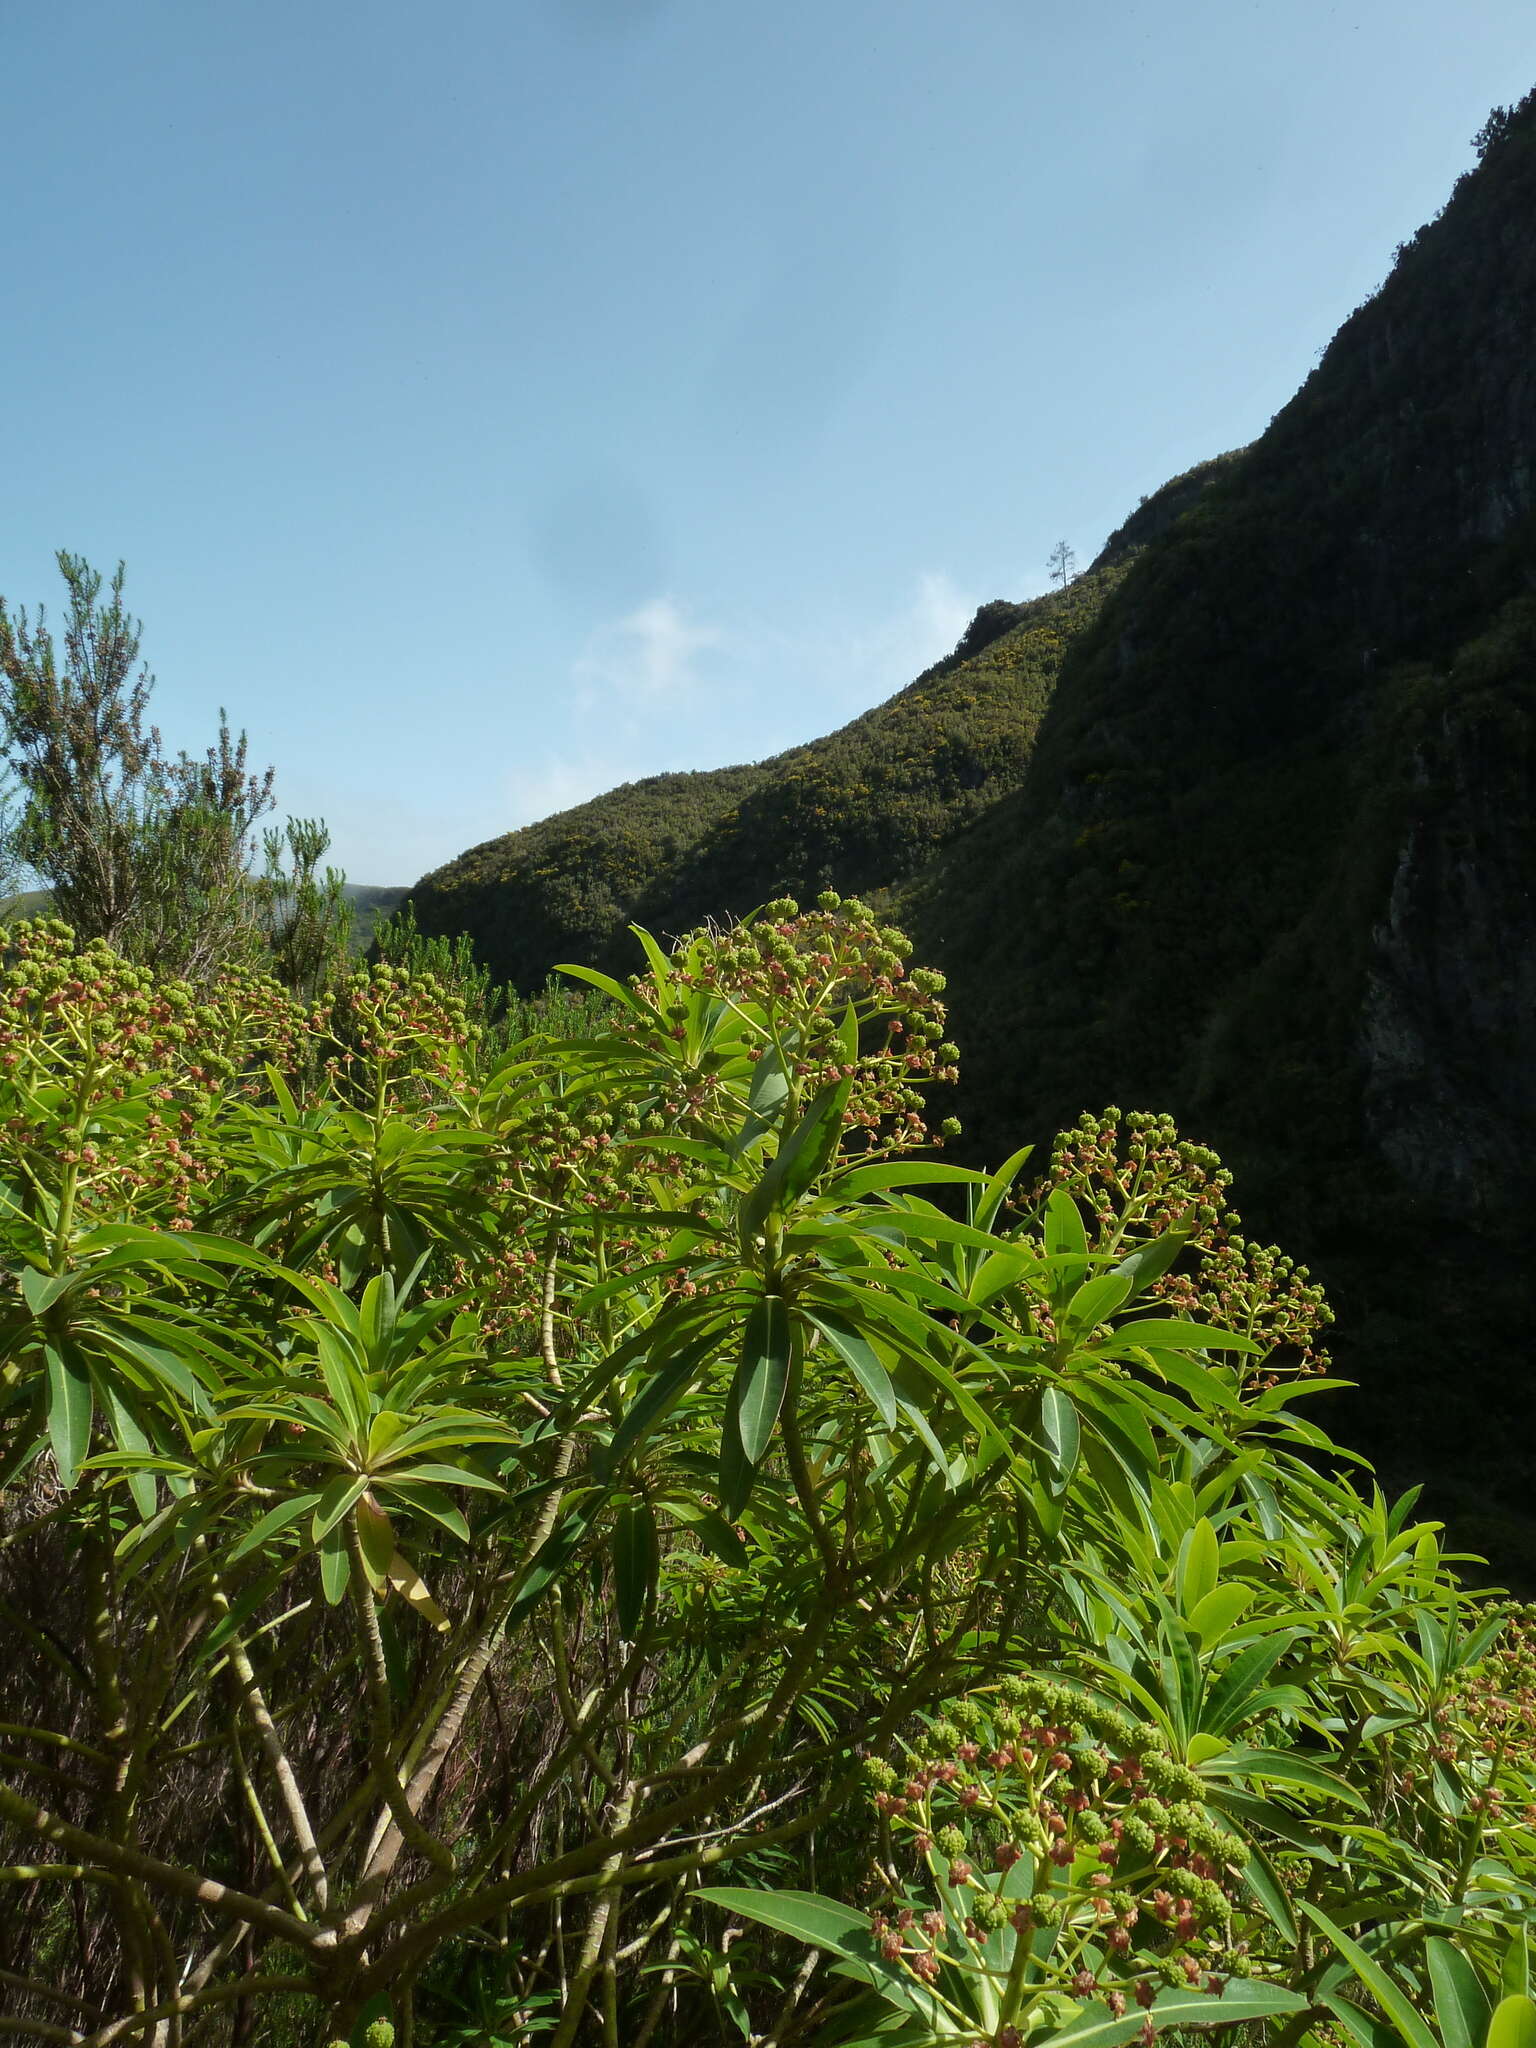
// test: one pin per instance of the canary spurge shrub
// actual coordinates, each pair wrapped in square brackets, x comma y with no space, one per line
[464,1501]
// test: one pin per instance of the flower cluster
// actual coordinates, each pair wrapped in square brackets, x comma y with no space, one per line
[1040,1817]
[113,1074]
[556,1156]
[1489,1731]
[386,1028]
[1136,1179]
[794,976]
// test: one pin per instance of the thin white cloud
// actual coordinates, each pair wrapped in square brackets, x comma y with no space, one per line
[857,666]
[647,655]
[541,788]
[674,693]
[922,631]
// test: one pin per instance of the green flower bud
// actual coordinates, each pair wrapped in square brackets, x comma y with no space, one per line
[991,1912]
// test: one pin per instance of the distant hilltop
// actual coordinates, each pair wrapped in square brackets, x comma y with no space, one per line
[370,901]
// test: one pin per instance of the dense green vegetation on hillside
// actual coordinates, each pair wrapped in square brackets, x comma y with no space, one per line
[1272,862]
[561,889]
[863,808]
[1239,825]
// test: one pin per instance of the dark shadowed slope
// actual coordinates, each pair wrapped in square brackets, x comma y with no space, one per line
[1271,864]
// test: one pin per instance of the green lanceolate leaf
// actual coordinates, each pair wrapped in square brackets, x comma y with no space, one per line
[661,967]
[625,997]
[555,1553]
[1515,1970]
[71,1408]
[765,1100]
[41,1290]
[1243,2001]
[335,1566]
[1280,1767]
[377,1537]
[802,1156]
[1094,1302]
[1062,1433]
[336,1497]
[1066,1239]
[283,1516]
[824,1923]
[636,1561]
[1215,1615]
[1388,1994]
[1151,1261]
[129,1437]
[659,1396]
[1461,2004]
[1263,1880]
[757,1393]
[862,1360]
[1164,1334]
[1199,1565]
[1227,1703]
[1514,2022]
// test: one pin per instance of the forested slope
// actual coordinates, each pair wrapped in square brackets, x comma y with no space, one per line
[863,808]
[1237,825]
[1271,865]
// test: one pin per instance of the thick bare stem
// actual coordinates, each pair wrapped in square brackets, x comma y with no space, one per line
[277,1757]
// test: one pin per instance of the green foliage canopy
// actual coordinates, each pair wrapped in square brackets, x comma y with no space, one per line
[460,1502]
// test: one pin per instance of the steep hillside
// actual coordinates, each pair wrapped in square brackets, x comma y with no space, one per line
[1271,864]
[863,808]
[1238,825]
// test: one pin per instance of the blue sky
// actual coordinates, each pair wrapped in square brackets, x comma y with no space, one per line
[499,400]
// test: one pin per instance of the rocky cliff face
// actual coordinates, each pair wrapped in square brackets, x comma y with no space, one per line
[1446,1041]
